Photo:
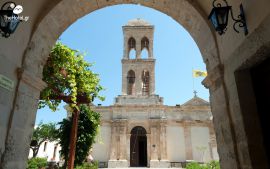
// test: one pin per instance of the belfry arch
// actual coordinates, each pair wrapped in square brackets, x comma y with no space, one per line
[145,82]
[131,82]
[50,23]
[131,47]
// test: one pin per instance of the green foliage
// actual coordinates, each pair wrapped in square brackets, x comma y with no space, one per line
[210,165]
[88,124]
[213,165]
[193,165]
[68,74]
[93,165]
[42,133]
[36,163]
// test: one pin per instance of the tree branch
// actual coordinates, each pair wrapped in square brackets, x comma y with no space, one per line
[67,99]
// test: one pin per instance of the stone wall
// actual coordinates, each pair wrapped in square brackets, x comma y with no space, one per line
[29,47]
[174,133]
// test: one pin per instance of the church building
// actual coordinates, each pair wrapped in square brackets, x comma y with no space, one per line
[138,130]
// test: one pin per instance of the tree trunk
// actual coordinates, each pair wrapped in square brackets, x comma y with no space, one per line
[73,139]
[35,152]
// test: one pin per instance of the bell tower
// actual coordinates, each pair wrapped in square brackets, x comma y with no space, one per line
[138,73]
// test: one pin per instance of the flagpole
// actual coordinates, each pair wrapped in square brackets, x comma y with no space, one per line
[192,80]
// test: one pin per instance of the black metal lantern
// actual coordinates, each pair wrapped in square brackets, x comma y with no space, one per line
[8,20]
[219,17]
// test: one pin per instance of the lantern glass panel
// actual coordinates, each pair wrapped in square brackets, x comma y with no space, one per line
[213,19]
[222,16]
[13,24]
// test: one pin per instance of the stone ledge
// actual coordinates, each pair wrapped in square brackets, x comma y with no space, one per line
[214,77]
[118,164]
[31,80]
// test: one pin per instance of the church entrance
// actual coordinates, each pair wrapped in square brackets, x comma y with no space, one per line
[138,147]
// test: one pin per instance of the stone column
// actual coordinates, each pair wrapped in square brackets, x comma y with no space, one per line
[119,153]
[154,144]
[148,136]
[123,143]
[154,128]
[150,54]
[164,162]
[126,51]
[163,142]
[138,48]
[152,80]
[222,118]
[21,120]
[128,135]
[188,141]
[113,143]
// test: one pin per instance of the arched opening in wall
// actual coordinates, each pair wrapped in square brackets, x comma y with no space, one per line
[69,22]
[132,48]
[145,83]
[131,82]
[144,48]
[132,54]
[144,54]
[138,147]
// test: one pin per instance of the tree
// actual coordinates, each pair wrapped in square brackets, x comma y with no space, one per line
[69,79]
[87,131]
[42,133]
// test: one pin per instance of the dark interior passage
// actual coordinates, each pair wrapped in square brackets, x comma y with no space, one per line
[138,147]
[261,85]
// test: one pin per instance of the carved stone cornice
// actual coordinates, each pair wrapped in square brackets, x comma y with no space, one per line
[214,77]
[29,79]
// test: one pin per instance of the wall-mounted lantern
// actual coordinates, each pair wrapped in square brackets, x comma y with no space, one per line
[8,19]
[219,17]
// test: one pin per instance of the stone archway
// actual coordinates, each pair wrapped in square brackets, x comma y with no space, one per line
[67,12]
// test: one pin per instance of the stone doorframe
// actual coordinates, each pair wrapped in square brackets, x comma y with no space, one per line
[66,12]
[130,126]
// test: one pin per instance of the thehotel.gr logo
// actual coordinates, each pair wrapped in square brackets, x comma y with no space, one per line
[10,18]
[16,9]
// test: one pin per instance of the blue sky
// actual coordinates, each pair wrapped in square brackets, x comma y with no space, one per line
[100,35]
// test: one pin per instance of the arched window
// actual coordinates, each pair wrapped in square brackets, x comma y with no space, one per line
[132,54]
[145,82]
[145,43]
[131,82]
[132,47]
[144,47]
[144,54]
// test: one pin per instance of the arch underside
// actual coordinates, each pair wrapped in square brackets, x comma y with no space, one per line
[67,12]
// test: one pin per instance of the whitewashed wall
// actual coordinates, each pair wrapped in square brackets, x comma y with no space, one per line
[101,149]
[200,138]
[176,144]
[48,153]
[215,153]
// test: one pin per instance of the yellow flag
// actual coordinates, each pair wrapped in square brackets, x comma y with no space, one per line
[199,73]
